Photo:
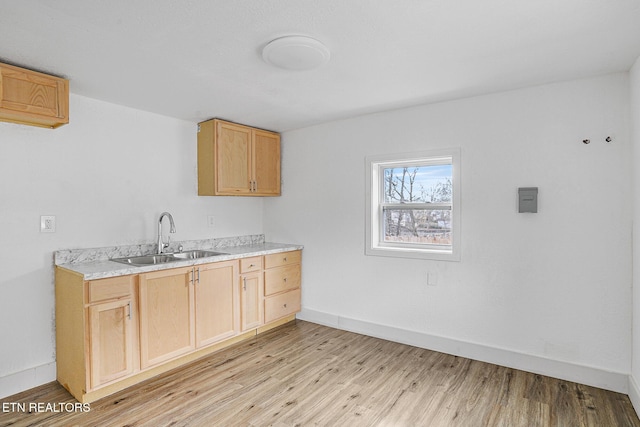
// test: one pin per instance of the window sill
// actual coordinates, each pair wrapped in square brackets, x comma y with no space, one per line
[444,255]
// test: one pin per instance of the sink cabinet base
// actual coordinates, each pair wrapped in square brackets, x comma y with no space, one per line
[112,333]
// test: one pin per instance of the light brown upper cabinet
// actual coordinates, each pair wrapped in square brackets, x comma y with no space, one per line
[31,98]
[237,160]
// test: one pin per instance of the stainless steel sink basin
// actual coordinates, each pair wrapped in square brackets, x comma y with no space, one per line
[197,254]
[165,258]
[145,259]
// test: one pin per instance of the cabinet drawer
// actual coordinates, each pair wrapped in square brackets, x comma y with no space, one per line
[111,288]
[281,305]
[247,265]
[282,258]
[281,279]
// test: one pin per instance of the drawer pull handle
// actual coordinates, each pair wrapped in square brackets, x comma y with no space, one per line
[193,278]
[285,280]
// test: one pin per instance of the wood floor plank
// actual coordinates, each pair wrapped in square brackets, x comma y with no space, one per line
[304,374]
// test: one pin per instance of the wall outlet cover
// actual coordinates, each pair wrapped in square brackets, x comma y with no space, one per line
[48,224]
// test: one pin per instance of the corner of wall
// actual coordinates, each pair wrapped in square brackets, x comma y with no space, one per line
[634,94]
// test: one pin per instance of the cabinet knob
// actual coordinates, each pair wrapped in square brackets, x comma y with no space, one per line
[285,259]
[285,306]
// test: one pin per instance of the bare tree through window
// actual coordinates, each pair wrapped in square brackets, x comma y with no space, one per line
[417,204]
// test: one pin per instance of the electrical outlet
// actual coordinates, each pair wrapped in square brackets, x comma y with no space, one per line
[432,278]
[211,221]
[47,224]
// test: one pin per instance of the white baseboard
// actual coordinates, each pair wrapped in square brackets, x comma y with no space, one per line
[634,394]
[614,381]
[24,380]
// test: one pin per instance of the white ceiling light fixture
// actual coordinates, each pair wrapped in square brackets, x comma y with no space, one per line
[296,53]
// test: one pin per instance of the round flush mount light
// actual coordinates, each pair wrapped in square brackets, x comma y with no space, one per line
[295,53]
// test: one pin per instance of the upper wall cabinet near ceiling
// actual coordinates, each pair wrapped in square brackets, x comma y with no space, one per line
[237,160]
[31,98]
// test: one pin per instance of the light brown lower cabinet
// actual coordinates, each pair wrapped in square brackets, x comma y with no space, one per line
[111,351]
[251,293]
[167,327]
[282,276]
[115,332]
[111,331]
[216,298]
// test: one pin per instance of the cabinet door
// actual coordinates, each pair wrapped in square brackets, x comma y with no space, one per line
[33,98]
[216,294]
[251,295]
[166,315]
[266,163]
[111,343]
[233,159]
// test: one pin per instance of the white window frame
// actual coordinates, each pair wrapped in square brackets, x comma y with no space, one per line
[374,244]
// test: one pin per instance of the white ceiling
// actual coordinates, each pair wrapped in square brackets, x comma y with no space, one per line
[197,59]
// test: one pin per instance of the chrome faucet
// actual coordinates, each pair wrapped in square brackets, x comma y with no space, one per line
[161,244]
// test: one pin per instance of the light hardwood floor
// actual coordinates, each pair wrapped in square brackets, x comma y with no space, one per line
[305,374]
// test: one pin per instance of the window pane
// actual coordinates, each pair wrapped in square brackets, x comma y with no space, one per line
[418,184]
[413,205]
[421,226]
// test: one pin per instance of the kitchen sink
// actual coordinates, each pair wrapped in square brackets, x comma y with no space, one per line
[195,254]
[165,258]
[145,260]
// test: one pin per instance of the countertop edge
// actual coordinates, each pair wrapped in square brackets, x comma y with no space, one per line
[103,269]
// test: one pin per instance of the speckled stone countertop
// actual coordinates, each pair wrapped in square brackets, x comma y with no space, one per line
[95,263]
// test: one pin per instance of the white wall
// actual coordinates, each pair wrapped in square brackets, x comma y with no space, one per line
[634,82]
[106,176]
[553,286]
[548,292]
